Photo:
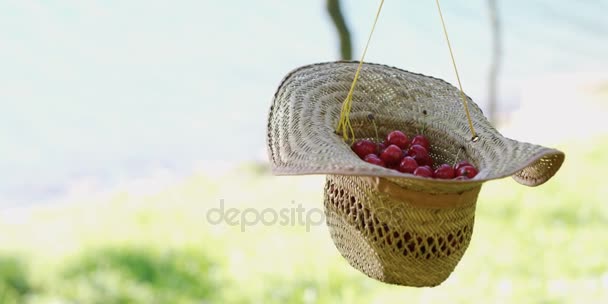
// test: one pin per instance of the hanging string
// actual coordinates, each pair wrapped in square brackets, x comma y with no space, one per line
[344,125]
[462,95]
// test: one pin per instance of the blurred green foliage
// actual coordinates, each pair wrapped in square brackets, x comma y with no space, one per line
[138,275]
[530,245]
[14,284]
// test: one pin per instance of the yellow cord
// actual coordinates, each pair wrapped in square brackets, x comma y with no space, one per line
[464,98]
[344,125]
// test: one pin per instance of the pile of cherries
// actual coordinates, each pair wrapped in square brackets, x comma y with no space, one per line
[397,152]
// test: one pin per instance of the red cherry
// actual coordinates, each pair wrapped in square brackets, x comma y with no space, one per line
[461,178]
[445,171]
[408,165]
[422,141]
[394,166]
[364,147]
[381,147]
[462,164]
[391,155]
[423,171]
[420,154]
[417,150]
[425,161]
[398,139]
[374,159]
[468,171]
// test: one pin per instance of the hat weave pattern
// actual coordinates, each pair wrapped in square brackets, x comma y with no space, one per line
[394,227]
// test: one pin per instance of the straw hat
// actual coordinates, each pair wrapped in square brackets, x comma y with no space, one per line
[394,227]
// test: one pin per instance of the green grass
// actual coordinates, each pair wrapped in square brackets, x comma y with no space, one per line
[530,245]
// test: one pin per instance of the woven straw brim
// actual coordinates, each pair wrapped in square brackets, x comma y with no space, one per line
[306,108]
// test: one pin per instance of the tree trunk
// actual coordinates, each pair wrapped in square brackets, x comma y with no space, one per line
[335,12]
[495,64]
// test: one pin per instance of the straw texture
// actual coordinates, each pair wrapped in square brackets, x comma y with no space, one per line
[306,108]
[404,237]
[394,227]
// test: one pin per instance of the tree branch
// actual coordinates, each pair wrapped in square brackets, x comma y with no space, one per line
[335,12]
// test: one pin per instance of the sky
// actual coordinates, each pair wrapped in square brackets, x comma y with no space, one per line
[111,91]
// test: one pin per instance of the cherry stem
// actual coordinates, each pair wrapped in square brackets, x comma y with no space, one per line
[371,117]
[457,154]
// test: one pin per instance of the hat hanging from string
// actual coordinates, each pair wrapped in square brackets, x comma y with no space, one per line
[394,227]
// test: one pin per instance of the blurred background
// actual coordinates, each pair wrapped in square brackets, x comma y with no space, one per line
[125,124]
